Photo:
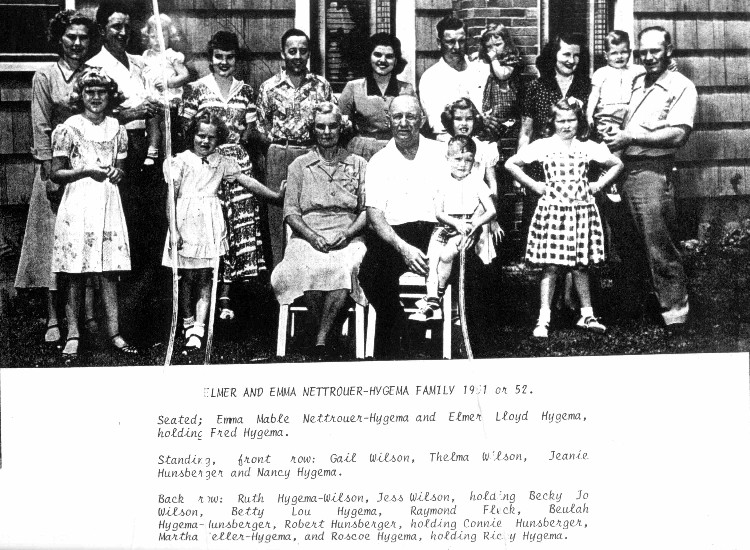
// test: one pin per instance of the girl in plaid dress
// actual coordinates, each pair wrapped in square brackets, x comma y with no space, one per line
[566,230]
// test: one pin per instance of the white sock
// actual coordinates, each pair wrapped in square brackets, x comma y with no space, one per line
[545,314]
[587,312]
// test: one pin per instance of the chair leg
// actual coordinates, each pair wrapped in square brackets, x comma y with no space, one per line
[292,319]
[345,327]
[281,332]
[359,331]
[370,335]
[447,322]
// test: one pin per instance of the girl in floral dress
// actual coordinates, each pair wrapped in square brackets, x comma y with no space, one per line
[566,230]
[88,152]
[220,94]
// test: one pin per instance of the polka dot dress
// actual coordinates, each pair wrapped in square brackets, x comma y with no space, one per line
[566,228]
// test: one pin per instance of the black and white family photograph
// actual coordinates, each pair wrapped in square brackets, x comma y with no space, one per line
[217,182]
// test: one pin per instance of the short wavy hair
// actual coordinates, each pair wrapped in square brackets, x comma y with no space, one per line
[446,117]
[223,40]
[108,7]
[324,108]
[211,119]
[389,40]
[64,19]
[463,143]
[92,77]
[567,104]
[173,33]
[547,59]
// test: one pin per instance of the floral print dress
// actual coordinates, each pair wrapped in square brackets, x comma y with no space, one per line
[90,231]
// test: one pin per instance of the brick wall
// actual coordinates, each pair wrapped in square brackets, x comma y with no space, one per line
[520,16]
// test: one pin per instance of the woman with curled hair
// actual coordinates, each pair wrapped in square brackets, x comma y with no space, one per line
[366,100]
[91,237]
[51,87]
[563,68]
[221,94]
[324,207]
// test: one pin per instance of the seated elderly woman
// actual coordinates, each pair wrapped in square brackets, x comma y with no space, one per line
[324,206]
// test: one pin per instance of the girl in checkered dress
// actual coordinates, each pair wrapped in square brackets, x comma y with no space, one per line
[566,230]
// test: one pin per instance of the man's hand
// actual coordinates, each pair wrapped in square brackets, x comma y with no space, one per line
[146,109]
[617,140]
[414,259]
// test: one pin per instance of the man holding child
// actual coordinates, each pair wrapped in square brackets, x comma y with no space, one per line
[658,122]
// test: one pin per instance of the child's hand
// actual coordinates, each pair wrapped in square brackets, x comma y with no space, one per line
[337,240]
[594,187]
[464,227]
[282,190]
[96,172]
[159,85]
[54,194]
[115,175]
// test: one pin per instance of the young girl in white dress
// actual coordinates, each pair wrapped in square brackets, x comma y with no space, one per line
[91,238]
[566,230]
[198,174]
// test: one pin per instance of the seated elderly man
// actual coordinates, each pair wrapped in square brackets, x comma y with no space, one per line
[400,187]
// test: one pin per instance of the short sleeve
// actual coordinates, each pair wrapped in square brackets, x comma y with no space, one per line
[175,57]
[293,190]
[346,99]
[122,143]
[683,108]
[62,141]
[599,76]
[176,168]
[597,152]
[532,152]
[377,194]
[190,102]
[482,190]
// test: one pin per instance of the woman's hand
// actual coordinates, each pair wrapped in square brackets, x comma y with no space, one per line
[319,243]
[337,240]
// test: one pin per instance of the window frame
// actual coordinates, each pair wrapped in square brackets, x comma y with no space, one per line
[10,62]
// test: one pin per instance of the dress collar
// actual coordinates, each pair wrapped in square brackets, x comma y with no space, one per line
[211,83]
[373,88]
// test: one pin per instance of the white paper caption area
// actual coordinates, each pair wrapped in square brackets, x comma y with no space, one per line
[576,453]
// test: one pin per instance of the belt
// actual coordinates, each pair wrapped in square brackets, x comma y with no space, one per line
[292,143]
[662,158]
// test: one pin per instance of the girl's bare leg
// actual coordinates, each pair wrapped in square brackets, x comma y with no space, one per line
[108,285]
[89,303]
[72,310]
[53,330]
[581,281]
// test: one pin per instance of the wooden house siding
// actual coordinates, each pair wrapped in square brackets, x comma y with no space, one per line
[712,47]
[427,15]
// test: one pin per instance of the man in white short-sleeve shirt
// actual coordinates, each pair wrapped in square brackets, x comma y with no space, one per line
[400,187]
[452,77]
[659,121]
